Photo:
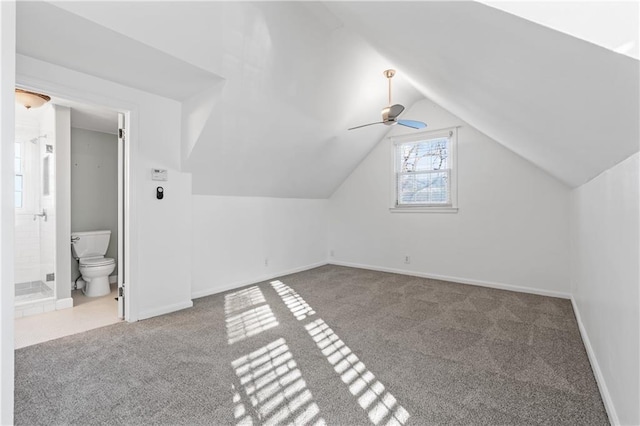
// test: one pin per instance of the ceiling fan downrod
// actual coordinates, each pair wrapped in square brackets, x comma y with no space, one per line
[389,74]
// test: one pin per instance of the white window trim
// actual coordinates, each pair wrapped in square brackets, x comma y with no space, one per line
[452,133]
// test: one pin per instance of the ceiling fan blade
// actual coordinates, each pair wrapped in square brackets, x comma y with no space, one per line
[412,123]
[365,125]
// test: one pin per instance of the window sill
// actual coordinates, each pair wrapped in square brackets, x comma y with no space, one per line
[421,209]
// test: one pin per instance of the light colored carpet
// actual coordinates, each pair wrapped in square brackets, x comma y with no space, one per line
[332,345]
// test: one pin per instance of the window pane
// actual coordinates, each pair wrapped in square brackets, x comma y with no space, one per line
[18,148]
[18,183]
[423,188]
[18,199]
[431,154]
[18,165]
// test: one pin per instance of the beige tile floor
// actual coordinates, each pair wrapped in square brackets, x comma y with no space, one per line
[87,313]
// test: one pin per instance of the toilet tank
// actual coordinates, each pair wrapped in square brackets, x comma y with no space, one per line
[90,244]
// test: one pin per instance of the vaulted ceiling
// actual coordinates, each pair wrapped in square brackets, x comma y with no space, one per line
[269,88]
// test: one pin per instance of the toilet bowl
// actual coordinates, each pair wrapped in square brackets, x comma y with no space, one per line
[89,248]
[95,273]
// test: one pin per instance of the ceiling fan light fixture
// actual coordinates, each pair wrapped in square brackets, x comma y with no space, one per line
[31,99]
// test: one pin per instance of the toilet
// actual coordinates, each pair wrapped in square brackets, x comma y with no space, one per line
[89,248]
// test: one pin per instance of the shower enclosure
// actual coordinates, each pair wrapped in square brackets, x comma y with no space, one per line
[35,209]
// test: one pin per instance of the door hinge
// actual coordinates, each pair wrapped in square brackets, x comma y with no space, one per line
[120,291]
[121,133]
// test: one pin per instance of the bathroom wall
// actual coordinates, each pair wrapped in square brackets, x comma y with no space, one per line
[63,206]
[47,193]
[94,187]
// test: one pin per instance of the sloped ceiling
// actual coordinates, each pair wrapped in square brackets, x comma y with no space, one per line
[614,25]
[567,105]
[293,80]
[53,35]
[282,81]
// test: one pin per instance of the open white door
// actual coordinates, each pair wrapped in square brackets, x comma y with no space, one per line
[121,195]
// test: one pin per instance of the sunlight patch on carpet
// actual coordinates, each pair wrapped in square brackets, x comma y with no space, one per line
[380,405]
[296,304]
[271,383]
[249,323]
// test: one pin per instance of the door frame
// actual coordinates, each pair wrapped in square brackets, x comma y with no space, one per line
[129,239]
[122,198]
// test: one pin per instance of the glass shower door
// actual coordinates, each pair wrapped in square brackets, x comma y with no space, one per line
[34,206]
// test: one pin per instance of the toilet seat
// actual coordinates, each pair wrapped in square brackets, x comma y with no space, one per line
[101,261]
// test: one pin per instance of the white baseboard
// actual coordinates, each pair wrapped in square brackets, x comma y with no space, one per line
[165,310]
[602,385]
[242,283]
[64,303]
[460,280]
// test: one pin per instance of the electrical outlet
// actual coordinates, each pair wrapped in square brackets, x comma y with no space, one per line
[407,259]
[266,262]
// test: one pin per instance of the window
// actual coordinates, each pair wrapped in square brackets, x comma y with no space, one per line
[19,178]
[424,172]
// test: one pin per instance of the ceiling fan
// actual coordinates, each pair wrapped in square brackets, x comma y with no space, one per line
[390,114]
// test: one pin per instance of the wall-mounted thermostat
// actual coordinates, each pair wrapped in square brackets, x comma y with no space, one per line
[159,174]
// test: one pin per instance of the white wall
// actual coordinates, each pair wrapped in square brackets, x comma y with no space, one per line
[62,223]
[94,187]
[7,127]
[511,229]
[46,190]
[234,235]
[159,273]
[605,283]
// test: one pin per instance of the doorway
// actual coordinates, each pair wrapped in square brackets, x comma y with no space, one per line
[71,161]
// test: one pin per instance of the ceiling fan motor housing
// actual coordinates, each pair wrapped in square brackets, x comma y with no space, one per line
[386,118]
[390,114]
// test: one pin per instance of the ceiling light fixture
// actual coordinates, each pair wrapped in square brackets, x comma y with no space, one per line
[31,99]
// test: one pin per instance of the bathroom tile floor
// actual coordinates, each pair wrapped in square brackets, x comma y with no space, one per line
[87,313]
[34,290]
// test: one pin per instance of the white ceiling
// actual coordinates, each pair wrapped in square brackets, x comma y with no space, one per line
[294,79]
[610,24]
[269,88]
[51,34]
[566,105]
